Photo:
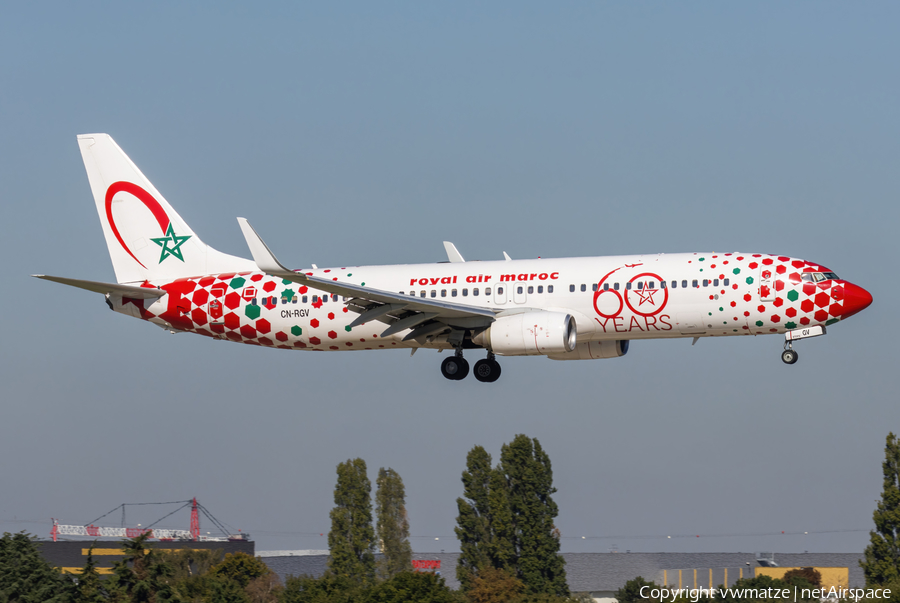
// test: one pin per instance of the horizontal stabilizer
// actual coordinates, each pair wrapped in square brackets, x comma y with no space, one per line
[106,288]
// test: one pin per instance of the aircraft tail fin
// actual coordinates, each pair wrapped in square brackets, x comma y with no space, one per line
[146,237]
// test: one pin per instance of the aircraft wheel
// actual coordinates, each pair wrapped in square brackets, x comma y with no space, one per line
[454,368]
[487,371]
[789,356]
[497,371]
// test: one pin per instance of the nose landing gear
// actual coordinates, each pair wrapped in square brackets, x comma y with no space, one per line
[789,355]
[488,369]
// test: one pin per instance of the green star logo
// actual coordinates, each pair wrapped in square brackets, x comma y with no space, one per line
[175,248]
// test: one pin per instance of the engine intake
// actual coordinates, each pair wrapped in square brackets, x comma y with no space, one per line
[530,334]
[594,350]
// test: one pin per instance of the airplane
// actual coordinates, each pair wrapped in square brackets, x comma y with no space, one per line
[560,308]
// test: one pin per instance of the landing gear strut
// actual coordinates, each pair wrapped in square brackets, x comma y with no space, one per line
[455,367]
[789,355]
[488,369]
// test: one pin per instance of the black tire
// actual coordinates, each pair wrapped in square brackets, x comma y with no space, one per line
[789,356]
[464,369]
[496,374]
[485,370]
[454,368]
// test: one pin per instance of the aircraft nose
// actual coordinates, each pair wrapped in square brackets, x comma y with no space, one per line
[856,299]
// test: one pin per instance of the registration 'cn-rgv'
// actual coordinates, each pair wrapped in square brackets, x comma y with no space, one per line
[563,309]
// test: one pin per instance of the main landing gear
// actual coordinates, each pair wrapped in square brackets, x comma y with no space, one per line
[456,368]
[487,370]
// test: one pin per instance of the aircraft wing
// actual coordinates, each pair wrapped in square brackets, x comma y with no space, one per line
[425,316]
[106,288]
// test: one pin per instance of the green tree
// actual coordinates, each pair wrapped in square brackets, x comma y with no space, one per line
[474,520]
[494,585]
[421,587]
[25,577]
[89,587]
[241,568]
[808,574]
[882,562]
[631,591]
[143,576]
[351,541]
[506,518]
[329,588]
[392,524]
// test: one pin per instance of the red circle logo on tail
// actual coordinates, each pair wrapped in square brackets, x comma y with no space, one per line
[144,197]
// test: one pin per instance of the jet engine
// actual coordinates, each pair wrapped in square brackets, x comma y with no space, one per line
[530,334]
[594,350]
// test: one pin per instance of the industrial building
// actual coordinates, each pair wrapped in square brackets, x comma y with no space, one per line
[601,574]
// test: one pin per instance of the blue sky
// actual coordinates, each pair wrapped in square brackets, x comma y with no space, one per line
[369,133]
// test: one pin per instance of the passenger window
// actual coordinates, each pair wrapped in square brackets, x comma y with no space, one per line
[294,300]
[433,293]
[283,300]
[694,284]
[540,288]
[487,290]
[422,293]
[640,285]
[334,297]
[530,289]
[519,289]
[705,283]
[583,287]
[652,284]
[549,288]
[628,286]
[465,293]
[616,286]
[315,298]
[606,286]
[715,282]
[475,291]
[571,288]
[684,284]
[453,293]
[443,293]
[304,299]
[253,302]
[725,282]
[674,284]
[662,284]
[499,290]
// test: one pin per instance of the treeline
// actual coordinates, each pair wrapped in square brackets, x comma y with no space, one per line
[144,575]
[510,545]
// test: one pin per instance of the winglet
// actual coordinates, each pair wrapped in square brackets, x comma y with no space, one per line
[506,255]
[452,253]
[262,255]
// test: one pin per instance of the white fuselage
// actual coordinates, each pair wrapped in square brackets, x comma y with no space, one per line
[610,298]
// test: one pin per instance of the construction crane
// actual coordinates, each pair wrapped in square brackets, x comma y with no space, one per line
[158,533]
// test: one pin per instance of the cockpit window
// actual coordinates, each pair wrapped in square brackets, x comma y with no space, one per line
[818,276]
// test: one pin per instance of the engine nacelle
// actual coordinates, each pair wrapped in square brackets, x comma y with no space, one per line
[594,350]
[530,334]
